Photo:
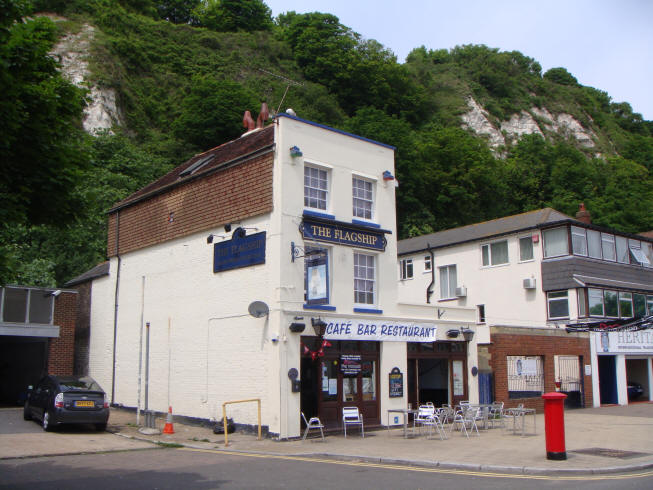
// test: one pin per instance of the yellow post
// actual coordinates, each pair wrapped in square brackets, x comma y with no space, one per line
[224,416]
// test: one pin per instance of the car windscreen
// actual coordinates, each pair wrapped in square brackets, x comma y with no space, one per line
[86,384]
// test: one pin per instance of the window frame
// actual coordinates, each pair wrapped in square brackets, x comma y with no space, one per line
[327,190]
[529,239]
[452,291]
[366,279]
[593,243]
[545,240]
[561,298]
[356,198]
[428,263]
[488,246]
[406,269]
[608,238]
[579,236]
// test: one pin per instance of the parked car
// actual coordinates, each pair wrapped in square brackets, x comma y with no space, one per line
[67,400]
[635,390]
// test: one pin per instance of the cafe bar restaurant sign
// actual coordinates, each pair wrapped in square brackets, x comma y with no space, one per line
[241,251]
[383,330]
[343,235]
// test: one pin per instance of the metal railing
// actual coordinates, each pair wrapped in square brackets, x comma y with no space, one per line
[224,416]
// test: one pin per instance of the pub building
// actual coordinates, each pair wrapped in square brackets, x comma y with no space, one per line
[267,268]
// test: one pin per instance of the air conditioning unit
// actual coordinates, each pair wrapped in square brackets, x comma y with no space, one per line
[461,292]
[529,283]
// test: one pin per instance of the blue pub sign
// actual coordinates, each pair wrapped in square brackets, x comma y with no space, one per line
[241,251]
[343,234]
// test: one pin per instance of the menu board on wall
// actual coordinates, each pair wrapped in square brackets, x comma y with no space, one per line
[458,388]
[396,383]
[350,364]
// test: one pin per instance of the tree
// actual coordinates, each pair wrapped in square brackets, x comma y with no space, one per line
[561,76]
[177,11]
[212,112]
[234,15]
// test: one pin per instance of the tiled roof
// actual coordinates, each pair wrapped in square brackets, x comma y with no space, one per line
[483,230]
[221,155]
[97,271]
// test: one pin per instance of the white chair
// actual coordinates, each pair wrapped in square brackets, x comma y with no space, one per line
[351,416]
[423,416]
[467,419]
[312,423]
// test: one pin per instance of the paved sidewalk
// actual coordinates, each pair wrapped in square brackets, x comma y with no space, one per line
[624,434]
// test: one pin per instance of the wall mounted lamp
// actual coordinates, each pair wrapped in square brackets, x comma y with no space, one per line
[468,334]
[319,326]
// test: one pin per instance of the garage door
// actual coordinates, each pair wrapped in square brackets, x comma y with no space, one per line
[23,360]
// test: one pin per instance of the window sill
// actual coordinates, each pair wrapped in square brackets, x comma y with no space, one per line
[368,310]
[318,214]
[319,307]
[444,300]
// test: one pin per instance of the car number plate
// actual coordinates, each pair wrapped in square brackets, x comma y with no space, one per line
[84,403]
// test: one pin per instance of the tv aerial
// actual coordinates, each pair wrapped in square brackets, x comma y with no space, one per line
[287,80]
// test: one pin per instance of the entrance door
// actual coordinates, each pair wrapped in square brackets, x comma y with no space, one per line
[608,380]
[436,373]
[567,372]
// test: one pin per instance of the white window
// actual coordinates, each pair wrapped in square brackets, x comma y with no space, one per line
[363,193]
[316,188]
[607,245]
[525,376]
[595,299]
[558,303]
[495,253]
[555,242]
[448,281]
[594,244]
[525,249]
[622,249]
[428,265]
[406,269]
[578,241]
[637,255]
[647,250]
[364,279]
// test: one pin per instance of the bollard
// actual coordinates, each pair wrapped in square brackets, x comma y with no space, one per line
[554,425]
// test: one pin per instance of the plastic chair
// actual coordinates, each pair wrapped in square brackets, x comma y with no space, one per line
[351,416]
[312,423]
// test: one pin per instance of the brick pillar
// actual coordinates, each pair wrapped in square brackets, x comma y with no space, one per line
[61,350]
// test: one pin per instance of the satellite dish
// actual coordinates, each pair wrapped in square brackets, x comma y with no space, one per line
[258,309]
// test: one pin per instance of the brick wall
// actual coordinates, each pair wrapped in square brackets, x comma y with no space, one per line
[61,350]
[82,328]
[226,196]
[547,345]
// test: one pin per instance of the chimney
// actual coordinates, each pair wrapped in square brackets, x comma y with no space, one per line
[583,214]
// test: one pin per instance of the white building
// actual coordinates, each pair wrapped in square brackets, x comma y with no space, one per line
[528,276]
[300,220]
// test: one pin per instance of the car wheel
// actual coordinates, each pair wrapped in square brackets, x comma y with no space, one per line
[27,414]
[47,424]
[101,427]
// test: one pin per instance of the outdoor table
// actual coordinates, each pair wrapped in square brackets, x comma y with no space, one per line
[405,412]
[522,412]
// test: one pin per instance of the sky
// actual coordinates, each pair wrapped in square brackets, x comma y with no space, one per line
[605,44]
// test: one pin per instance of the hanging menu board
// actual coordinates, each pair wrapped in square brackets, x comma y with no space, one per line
[396,383]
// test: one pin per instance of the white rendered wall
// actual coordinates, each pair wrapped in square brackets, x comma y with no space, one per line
[101,332]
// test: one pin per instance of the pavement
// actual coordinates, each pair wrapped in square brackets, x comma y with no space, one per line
[598,440]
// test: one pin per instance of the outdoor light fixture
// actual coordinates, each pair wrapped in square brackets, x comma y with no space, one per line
[468,334]
[209,239]
[297,327]
[453,333]
[319,326]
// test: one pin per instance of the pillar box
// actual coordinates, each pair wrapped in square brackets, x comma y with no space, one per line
[554,425]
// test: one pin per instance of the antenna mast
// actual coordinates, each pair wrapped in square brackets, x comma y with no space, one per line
[287,80]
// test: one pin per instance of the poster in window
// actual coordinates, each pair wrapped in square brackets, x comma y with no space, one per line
[458,388]
[317,289]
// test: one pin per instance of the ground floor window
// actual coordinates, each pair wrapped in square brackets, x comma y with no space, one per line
[525,376]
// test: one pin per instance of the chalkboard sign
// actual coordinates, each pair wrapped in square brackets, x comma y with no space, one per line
[396,383]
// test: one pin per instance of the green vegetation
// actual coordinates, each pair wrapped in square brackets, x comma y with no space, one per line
[185,71]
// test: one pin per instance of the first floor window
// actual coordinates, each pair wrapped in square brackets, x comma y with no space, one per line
[625,305]
[610,300]
[555,242]
[362,192]
[525,248]
[364,279]
[315,188]
[595,298]
[427,263]
[406,269]
[448,281]
[558,303]
[495,253]
[578,241]
[481,313]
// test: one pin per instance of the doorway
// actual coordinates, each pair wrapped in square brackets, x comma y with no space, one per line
[608,380]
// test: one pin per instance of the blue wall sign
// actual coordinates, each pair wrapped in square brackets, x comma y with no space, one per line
[343,235]
[241,251]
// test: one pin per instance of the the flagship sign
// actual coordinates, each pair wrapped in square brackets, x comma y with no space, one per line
[343,235]
[241,251]
[637,342]
[378,330]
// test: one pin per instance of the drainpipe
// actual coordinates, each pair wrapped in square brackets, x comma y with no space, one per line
[115,311]
[429,289]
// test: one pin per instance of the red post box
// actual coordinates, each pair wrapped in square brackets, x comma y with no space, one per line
[554,425]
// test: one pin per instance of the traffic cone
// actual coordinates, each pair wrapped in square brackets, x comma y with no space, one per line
[168,429]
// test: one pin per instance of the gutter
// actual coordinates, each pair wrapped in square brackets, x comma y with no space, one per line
[429,288]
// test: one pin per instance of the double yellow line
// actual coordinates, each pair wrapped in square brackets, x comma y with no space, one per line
[419,469]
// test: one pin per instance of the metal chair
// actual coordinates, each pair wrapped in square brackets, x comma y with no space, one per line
[496,415]
[351,416]
[312,423]
[465,419]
